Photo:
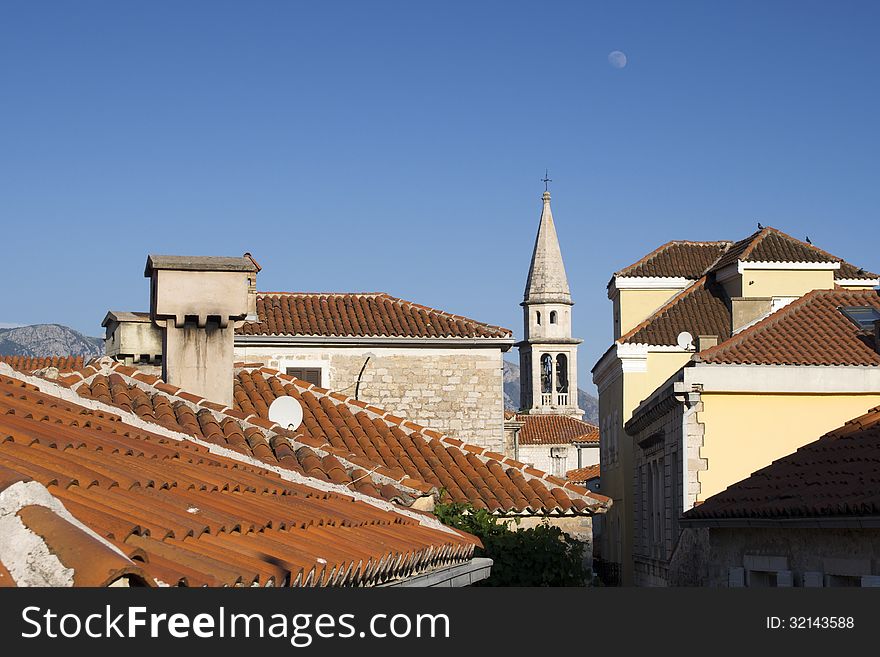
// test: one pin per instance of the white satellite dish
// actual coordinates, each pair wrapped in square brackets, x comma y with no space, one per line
[287,412]
[685,340]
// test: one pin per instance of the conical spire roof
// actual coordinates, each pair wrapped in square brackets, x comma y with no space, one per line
[547,282]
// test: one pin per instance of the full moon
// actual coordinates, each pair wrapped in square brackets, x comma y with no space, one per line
[617,59]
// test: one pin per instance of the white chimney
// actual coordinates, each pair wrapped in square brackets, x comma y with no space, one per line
[196,300]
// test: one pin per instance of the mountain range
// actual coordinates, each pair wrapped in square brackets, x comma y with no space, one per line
[48,340]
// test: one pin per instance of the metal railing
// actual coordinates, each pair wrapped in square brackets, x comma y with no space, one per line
[562,399]
[546,398]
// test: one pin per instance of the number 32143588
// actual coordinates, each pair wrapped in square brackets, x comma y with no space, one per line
[810,623]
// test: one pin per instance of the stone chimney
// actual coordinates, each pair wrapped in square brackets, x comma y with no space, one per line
[252,290]
[706,342]
[196,301]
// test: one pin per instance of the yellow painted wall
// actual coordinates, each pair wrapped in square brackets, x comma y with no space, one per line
[611,403]
[635,306]
[623,397]
[784,283]
[746,432]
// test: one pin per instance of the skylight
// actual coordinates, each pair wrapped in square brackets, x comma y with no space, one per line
[862,316]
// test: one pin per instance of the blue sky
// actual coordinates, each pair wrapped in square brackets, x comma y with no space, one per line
[398,146]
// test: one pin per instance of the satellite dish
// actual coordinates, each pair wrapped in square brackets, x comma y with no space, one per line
[685,340]
[287,412]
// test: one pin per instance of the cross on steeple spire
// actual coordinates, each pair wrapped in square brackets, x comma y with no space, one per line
[546,180]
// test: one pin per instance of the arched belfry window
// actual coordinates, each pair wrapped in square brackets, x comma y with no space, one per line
[538,315]
[546,373]
[561,373]
[552,316]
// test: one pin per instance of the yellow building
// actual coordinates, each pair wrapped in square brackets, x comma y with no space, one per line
[682,299]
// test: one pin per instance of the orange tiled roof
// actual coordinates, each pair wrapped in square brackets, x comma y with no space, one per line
[341,440]
[541,429]
[583,475]
[677,259]
[113,496]
[772,245]
[367,436]
[700,309]
[808,331]
[837,475]
[33,363]
[155,401]
[359,314]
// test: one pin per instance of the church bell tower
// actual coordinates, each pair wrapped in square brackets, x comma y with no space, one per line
[548,353]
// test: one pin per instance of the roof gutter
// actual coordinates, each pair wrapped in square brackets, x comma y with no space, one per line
[463,574]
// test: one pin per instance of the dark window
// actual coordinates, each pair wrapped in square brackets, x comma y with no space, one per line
[561,373]
[539,316]
[308,374]
[552,316]
[546,373]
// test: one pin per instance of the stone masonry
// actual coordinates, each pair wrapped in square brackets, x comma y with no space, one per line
[455,391]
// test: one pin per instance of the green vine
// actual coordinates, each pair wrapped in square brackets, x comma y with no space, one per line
[539,556]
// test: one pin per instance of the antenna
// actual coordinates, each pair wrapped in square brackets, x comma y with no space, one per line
[685,341]
[287,412]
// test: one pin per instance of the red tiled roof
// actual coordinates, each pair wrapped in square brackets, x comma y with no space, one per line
[541,429]
[253,436]
[359,314]
[677,259]
[700,309]
[808,331]
[772,245]
[341,440]
[837,475]
[367,435]
[583,475]
[33,363]
[113,496]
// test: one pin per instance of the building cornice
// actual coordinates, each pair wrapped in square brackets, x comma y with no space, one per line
[647,283]
[784,379]
[547,341]
[818,522]
[857,282]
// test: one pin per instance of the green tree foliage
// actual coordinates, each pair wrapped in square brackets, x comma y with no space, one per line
[540,556]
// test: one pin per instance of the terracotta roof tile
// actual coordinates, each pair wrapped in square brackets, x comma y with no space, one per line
[464,472]
[583,475]
[772,245]
[808,331]
[837,475]
[194,517]
[677,259]
[541,429]
[702,308]
[359,314]
[33,363]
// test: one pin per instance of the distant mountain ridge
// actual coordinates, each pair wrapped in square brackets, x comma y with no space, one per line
[586,401]
[48,340]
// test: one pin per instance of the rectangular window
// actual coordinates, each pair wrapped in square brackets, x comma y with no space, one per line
[308,374]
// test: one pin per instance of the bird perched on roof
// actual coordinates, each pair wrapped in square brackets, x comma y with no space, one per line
[760,227]
[808,240]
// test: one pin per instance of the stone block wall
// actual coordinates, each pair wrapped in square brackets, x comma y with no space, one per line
[454,391]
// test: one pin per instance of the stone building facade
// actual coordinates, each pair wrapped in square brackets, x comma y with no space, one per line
[455,391]
[433,368]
